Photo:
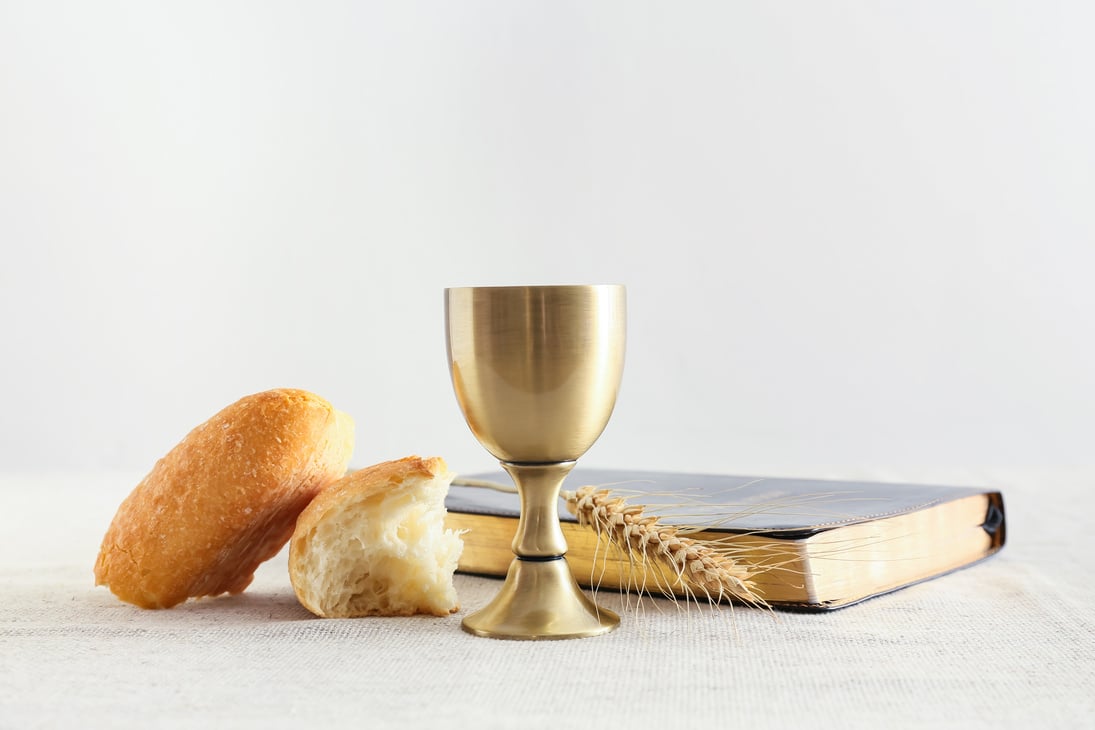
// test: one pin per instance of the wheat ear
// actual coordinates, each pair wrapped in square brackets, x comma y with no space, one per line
[659,552]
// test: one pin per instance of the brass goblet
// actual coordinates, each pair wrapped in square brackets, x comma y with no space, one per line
[536,370]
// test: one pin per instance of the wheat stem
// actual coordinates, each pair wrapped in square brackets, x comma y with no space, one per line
[658,551]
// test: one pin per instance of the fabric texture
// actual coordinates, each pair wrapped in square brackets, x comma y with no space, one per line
[1009,642]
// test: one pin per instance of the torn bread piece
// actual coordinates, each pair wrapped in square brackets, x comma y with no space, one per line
[374,544]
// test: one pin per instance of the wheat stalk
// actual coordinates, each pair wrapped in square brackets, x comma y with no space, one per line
[660,552]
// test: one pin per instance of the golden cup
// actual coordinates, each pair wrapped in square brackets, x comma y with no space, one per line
[536,370]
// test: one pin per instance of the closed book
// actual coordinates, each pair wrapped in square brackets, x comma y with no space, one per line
[810,544]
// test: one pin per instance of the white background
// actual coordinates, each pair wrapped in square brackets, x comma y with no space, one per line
[856,235]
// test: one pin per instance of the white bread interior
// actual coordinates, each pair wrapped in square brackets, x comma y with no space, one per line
[374,544]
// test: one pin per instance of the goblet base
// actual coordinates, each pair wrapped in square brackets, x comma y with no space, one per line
[540,600]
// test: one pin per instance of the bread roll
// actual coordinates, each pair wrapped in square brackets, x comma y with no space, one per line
[224,500]
[374,544]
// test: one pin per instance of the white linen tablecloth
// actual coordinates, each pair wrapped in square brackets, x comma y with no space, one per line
[1007,643]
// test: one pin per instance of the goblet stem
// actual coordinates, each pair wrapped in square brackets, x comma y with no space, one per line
[540,598]
[538,533]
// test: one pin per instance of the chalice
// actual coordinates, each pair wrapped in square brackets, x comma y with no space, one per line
[536,370]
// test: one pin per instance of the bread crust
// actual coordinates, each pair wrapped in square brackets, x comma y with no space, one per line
[356,486]
[224,500]
[364,483]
